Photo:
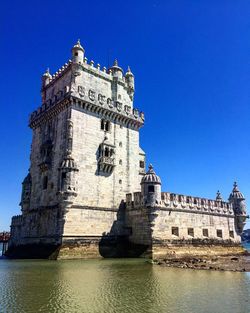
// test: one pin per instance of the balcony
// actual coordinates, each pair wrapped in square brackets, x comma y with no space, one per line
[106,164]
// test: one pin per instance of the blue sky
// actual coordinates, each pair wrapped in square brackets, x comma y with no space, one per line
[191,65]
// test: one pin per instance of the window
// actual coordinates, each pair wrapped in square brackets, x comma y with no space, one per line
[205,232]
[120,181]
[105,125]
[151,188]
[231,234]
[120,144]
[76,54]
[142,164]
[219,233]
[175,231]
[191,232]
[120,162]
[45,182]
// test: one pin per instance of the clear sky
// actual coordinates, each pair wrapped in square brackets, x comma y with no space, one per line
[190,59]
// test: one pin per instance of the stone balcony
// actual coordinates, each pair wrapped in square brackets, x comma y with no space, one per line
[106,164]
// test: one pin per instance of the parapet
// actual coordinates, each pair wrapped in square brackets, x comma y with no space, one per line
[17,220]
[181,202]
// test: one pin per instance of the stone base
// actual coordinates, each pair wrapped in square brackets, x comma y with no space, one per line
[33,251]
[168,250]
[80,248]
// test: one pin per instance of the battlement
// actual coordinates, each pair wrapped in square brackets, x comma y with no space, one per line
[181,202]
[17,220]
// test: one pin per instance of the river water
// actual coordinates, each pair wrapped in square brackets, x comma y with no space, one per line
[118,285]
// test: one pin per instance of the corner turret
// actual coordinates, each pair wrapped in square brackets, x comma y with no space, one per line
[26,193]
[151,188]
[77,53]
[46,78]
[116,70]
[237,200]
[129,77]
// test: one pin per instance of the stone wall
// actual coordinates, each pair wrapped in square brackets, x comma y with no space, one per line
[96,188]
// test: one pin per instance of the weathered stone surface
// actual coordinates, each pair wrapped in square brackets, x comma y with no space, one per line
[84,196]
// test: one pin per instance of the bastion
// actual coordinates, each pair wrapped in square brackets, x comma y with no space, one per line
[87,193]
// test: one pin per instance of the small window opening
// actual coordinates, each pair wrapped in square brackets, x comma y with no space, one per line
[205,232]
[120,144]
[45,182]
[102,124]
[76,54]
[219,233]
[120,181]
[151,188]
[231,234]
[191,232]
[175,231]
[107,126]
[120,162]
[142,164]
[106,152]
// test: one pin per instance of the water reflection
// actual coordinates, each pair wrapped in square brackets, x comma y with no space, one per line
[118,286]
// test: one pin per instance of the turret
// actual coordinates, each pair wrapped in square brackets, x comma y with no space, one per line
[26,192]
[129,77]
[46,78]
[237,200]
[77,53]
[116,70]
[151,188]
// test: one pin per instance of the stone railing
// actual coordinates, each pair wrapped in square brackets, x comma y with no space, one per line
[181,202]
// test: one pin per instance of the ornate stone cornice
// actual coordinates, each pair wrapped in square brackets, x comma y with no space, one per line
[46,112]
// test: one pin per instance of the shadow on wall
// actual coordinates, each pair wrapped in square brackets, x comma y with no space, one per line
[116,244]
[44,247]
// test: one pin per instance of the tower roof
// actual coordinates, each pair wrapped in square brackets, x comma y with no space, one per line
[47,73]
[150,176]
[116,67]
[129,73]
[78,46]
[236,194]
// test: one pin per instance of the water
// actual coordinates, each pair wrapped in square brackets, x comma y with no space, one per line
[125,285]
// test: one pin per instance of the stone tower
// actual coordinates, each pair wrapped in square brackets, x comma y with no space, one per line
[85,154]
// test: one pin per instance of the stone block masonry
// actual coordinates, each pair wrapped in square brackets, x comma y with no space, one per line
[87,195]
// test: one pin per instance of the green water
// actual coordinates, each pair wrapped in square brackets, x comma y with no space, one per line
[125,285]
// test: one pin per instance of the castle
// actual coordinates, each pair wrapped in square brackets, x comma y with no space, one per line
[87,193]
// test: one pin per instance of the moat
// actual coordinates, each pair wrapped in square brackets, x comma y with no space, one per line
[118,285]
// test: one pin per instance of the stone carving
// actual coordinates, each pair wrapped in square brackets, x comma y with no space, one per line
[101,99]
[81,91]
[92,95]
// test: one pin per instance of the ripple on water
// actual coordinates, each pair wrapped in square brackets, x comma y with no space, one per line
[118,286]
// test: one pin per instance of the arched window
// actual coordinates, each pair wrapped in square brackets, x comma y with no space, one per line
[102,124]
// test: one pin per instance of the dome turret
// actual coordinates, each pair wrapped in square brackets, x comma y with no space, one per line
[237,200]
[77,53]
[129,77]
[151,188]
[46,78]
[116,70]
[151,177]
[236,194]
